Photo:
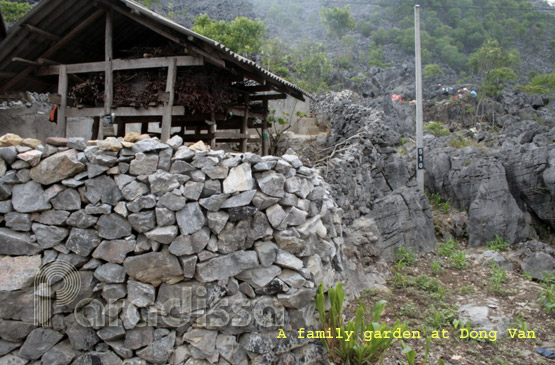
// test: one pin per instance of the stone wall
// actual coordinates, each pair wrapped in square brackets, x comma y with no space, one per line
[141,252]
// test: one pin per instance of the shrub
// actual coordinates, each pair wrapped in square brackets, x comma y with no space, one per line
[458,260]
[547,293]
[497,278]
[360,349]
[432,70]
[437,129]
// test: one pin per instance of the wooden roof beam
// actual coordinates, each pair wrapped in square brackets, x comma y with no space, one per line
[61,43]
[268,97]
[43,33]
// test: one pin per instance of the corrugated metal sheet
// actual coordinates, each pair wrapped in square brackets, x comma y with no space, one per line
[60,16]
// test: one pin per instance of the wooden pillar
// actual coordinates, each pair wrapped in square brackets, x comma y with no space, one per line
[265,138]
[96,127]
[62,90]
[244,126]
[213,129]
[108,56]
[144,127]
[170,88]
[121,127]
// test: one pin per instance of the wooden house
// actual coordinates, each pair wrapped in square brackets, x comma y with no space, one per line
[117,60]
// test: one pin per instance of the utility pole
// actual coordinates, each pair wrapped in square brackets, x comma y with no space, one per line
[418,69]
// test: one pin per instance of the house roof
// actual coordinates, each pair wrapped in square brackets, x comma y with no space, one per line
[72,31]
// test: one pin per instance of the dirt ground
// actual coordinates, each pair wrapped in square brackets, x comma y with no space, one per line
[427,293]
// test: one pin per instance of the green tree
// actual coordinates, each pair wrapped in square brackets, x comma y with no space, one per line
[432,70]
[337,20]
[12,12]
[539,84]
[494,66]
[242,35]
[149,3]
[313,66]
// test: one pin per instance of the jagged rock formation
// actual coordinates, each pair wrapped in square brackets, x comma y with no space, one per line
[176,256]
[370,180]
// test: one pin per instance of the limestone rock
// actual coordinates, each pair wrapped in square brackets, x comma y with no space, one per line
[18,272]
[29,197]
[271,183]
[143,164]
[10,139]
[114,251]
[154,268]
[223,267]
[190,219]
[113,226]
[16,243]
[38,342]
[239,179]
[57,167]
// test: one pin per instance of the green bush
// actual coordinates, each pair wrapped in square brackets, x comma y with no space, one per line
[540,84]
[437,129]
[360,349]
[365,28]
[12,11]
[432,70]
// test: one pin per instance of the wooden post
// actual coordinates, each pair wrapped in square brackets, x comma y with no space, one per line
[95,128]
[264,144]
[170,87]
[213,129]
[108,56]
[62,90]
[244,126]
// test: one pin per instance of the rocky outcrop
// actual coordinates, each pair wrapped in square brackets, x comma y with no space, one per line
[157,253]
[371,182]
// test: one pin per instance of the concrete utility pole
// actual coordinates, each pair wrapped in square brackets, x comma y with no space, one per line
[418,68]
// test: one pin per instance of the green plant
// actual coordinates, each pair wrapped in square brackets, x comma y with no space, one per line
[398,279]
[440,318]
[461,142]
[539,84]
[546,295]
[497,278]
[13,11]
[404,256]
[520,322]
[437,129]
[458,260]
[426,283]
[432,70]
[410,310]
[459,325]
[403,140]
[438,202]
[467,289]
[527,276]
[498,244]
[436,267]
[448,248]
[358,349]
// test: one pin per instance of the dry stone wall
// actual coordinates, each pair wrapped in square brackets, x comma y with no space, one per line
[143,252]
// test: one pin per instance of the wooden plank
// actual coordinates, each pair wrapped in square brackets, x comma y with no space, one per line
[123,112]
[26,62]
[7,75]
[231,135]
[265,138]
[268,97]
[170,87]
[122,64]
[62,90]
[61,43]
[43,33]
[245,125]
[108,56]
[240,112]
[213,129]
